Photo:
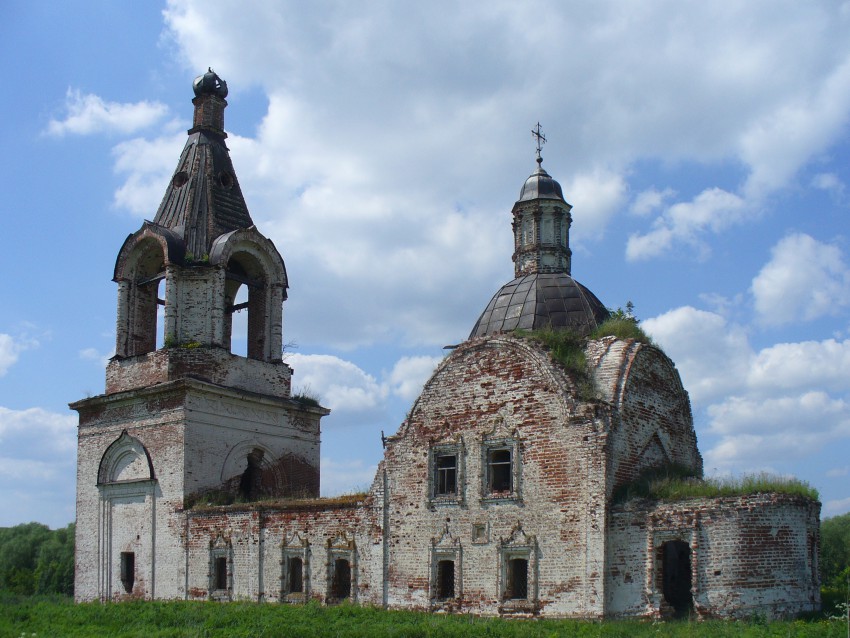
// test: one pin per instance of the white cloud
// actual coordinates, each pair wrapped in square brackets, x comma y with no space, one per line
[344,477]
[87,114]
[339,384]
[409,374]
[650,200]
[93,354]
[598,194]
[38,450]
[759,409]
[712,355]
[695,85]
[148,165]
[11,348]
[804,279]
[713,210]
[805,365]
[829,182]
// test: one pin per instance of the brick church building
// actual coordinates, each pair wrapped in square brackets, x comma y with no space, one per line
[496,496]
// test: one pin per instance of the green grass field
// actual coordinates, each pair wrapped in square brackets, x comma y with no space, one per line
[23,617]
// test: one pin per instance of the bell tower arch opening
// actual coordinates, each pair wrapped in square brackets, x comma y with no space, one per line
[141,292]
[246,289]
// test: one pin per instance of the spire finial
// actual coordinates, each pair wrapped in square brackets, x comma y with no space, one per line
[537,134]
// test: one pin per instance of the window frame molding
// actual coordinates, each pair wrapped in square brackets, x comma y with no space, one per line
[341,547]
[519,545]
[295,547]
[454,448]
[491,444]
[444,548]
[220,547]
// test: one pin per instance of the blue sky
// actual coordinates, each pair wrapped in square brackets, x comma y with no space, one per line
[381,145]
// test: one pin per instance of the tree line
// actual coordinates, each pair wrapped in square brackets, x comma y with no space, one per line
[37,560]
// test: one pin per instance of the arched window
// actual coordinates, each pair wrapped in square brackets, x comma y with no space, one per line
[245,290]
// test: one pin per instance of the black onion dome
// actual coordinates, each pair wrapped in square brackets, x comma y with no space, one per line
[541,300]
[540,185]
[210,83]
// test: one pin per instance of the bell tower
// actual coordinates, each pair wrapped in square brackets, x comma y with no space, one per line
[184,418]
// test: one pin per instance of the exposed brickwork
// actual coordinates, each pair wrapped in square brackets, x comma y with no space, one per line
[494,497]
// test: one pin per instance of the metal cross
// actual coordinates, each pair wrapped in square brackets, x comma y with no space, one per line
[541,140]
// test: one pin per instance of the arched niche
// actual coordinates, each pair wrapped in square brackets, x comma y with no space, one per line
[139,270]
[251,262]
[252,470]
[125,460]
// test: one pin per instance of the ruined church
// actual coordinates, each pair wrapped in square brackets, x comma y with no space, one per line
[198,469]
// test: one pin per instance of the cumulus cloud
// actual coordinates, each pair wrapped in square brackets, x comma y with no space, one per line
[147,166]
[38,447]
[712,355]
[689,84]
[758,409]
[712,210]
[11,348]
[805,279]
[650,200]
[88,113]
[409,374]
[338,384]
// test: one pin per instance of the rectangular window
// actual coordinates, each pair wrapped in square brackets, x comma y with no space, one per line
[445,579]
[341,582]
[445,471]
[516,581]
[128,570]
[296,575]
[499,470]
[220,576]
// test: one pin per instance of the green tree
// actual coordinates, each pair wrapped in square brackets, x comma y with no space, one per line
[835,551]
[36,560]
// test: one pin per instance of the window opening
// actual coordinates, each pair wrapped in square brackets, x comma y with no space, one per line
[128,570]
[517,579]
[445,481]
[341,584]
[296,575]
[445,579]
[676,576]
[220,577]
[245,289]
[499,470]
[250,484]
[160,313]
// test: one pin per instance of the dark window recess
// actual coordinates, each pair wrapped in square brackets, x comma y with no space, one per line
[250,483]
[445,479]
[499,470]
[296,575]
[220,576]
[676,576]
[128,570]
[342,579]
[517,579]
[445,579]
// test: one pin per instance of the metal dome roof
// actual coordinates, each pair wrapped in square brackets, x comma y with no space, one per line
[541,300]
[540,185]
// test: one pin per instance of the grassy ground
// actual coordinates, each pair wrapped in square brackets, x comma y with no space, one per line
[22,617]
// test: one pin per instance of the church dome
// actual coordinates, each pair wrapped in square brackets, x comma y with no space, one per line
[540,185]
[541,300]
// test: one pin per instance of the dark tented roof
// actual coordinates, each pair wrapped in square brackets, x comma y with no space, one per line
[541,300]
[203,199]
